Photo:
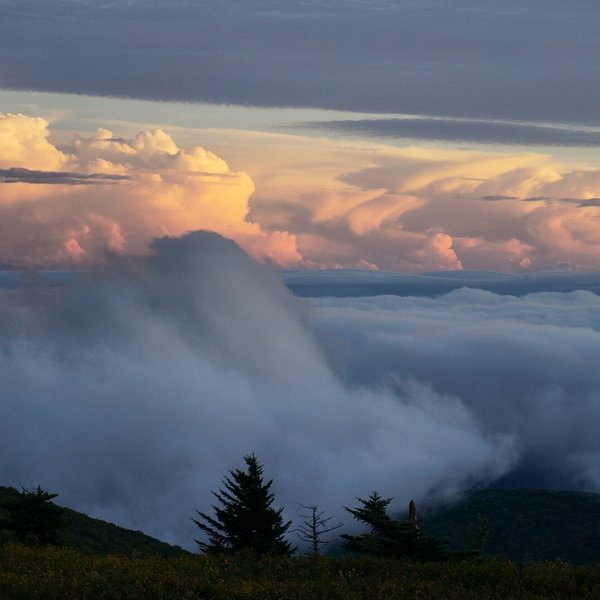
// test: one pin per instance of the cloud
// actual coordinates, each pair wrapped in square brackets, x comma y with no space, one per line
[582,202]
[466,130]
[516,61]
[20,175]
[347,283]
[24,143]
[497,197]
[523,366]
[131,389]
[308,202]
[69,217]
[391,207]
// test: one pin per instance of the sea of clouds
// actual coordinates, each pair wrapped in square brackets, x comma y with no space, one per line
[131,389]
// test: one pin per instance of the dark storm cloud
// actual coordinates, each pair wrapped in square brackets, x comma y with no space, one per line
[21,175]
[465,131]
[526,61]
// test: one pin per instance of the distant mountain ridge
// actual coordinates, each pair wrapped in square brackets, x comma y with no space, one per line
[526,525]
[93,536]
[353,283]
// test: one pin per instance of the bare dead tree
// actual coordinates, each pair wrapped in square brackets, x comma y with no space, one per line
[314,527]
[412,512]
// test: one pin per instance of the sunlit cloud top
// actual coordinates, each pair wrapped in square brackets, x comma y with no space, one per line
[57,209]
[296,202]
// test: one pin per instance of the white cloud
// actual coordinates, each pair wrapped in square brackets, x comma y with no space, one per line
[131,392]
[24,143]
[522,366]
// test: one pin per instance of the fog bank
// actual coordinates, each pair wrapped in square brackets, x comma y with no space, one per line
[132,389]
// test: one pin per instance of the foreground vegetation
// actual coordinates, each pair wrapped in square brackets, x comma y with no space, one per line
[58,573]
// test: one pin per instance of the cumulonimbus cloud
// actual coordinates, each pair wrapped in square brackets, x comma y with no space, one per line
[158,189]
[425,209]
[315,205]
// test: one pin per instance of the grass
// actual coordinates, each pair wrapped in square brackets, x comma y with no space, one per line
[55,573]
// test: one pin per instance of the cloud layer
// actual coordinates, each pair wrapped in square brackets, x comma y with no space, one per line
[523,367]
[465,130]
[527,61]
[131,390]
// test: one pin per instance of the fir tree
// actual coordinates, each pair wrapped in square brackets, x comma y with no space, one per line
[390,537]
[386,537]
[245,518]
[33,519]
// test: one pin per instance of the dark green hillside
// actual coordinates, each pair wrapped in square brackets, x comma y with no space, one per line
[92,536]
[526,525]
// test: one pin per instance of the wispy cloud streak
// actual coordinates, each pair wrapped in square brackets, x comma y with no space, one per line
[21,175]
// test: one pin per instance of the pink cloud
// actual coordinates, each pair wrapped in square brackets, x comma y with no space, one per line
[297,202]
[165,190]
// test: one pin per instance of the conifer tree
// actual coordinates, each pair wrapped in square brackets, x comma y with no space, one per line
[386,537]
[245,518]
[33,519]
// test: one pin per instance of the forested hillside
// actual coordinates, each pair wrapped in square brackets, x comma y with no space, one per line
[526,525]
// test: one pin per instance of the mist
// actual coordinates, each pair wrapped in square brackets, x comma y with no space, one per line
[522,366]
[132,388]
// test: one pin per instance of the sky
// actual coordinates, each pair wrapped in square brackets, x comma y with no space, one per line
[399,136]
[365,231]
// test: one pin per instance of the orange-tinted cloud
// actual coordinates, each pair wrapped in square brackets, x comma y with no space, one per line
[296,201]
[150,188]
[423,208]
[24,143]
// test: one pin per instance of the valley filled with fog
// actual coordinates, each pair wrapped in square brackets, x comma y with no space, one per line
[131,388]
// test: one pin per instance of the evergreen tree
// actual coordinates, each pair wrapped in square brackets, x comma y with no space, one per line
[33,519]
[245,518]
[386,537]
[389,537]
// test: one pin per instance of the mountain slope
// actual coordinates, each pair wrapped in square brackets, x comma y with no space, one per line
[94,536]
[526,525]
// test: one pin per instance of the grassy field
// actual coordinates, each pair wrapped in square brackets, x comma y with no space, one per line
[54,573]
